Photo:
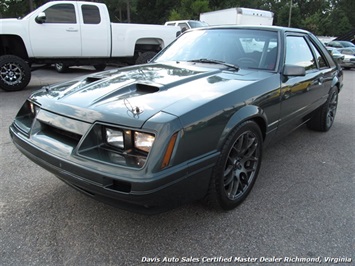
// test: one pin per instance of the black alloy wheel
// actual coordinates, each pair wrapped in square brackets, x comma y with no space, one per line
[61,67]
[237,168]
[15,73]
[331,109]
[323,118]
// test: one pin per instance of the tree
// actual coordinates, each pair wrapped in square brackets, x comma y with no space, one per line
[189,9]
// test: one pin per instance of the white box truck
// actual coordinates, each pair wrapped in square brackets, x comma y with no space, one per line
[238,16]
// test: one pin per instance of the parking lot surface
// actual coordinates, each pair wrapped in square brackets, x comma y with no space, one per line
[301,210]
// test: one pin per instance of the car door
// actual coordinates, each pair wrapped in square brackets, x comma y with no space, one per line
[299,93]
[59,35]
[95,31]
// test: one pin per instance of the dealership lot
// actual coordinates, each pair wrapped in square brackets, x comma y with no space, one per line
[301,208]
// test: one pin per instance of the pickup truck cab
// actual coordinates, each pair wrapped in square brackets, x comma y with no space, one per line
[73,33]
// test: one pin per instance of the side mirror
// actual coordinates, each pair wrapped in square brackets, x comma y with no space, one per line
[293,70]
[41,18]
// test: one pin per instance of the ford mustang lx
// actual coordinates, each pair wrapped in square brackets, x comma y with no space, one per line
[189,125]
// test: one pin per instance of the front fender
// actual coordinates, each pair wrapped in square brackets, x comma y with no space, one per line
[248,112]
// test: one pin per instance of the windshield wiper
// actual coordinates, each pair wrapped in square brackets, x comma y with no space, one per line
[212,61]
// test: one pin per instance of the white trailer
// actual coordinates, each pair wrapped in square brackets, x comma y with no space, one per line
[238,16]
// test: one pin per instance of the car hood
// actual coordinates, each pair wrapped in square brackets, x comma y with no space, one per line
[130,96]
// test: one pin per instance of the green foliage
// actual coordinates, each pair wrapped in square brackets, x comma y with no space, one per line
[189,9]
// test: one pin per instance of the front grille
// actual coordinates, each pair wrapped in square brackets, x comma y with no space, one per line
[65,133]
[60,134]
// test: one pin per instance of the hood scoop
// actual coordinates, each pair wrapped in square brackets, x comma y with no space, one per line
[146,88]
[89,80]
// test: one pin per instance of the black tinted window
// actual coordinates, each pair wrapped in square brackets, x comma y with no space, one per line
[91,14]
[61,13]
[298,53]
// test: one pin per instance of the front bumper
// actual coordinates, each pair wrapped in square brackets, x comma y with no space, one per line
[161,191]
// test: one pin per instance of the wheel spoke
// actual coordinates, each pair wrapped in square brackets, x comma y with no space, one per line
[241,165]
[235,186]
[332,107]
[228,175]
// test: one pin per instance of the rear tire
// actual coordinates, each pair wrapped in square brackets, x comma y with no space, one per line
[237,167]
[100,67]
[323,118]
[143,58]
[15,73]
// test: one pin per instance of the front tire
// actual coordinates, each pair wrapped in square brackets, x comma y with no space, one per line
[237,168]
[323,118]
[15,73]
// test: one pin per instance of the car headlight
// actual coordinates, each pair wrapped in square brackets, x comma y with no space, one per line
[115,138]
[143,141]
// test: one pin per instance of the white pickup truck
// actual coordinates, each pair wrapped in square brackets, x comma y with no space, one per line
[73,33]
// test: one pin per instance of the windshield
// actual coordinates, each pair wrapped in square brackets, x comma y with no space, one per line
[257,49]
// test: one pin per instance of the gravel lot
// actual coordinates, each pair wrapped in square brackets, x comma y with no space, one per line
[302,207]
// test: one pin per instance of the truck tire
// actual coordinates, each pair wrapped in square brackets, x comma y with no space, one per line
[143,58]
[61,67]
[15,73]
[100,67]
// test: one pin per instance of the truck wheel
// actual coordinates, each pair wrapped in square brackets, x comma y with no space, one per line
[100,67]
[61,67]
[143,58]
[15,73]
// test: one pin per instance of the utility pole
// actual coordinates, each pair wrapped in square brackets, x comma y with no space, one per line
[290,14]
[128,12]
[30,5]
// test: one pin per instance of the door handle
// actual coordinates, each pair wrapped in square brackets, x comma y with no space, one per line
[71,30]
[318,81]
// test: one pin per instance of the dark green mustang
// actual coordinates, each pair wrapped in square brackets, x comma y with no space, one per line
[190,124]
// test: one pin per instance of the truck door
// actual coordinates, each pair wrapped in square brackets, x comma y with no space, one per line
[58,35]
[95,31]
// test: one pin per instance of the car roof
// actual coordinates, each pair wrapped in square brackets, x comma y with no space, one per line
[257,27]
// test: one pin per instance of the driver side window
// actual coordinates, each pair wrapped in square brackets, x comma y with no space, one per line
[298,53]
[61,13]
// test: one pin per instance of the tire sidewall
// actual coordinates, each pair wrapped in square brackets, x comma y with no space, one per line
[333,92]
[218,174]
[25,73]
[145,57]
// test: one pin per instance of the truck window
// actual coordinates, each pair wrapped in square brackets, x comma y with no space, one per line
[298,53]
[183,25]
[61,13]
[91,14]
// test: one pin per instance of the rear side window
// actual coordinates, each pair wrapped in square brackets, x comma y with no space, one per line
[61,13]
[298,53]
[91,14]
